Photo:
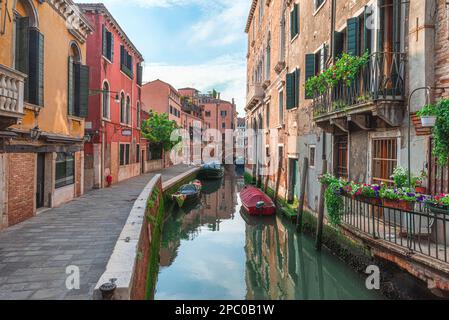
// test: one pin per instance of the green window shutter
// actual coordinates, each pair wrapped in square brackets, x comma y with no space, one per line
[112,46]
[297,88]
[21,54]
[397,25]
[81,90]
[353,36]
[338,44]
[290,87]
[122,55]
[105,41]
[294,28]
[70,88]
[366,31]
[36,68]
[297,17]
[139,74]
[310,69]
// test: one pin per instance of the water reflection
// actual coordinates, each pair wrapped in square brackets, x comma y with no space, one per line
[212,251]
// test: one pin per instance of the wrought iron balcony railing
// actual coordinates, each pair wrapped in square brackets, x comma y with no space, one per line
[418,229]
[381,78]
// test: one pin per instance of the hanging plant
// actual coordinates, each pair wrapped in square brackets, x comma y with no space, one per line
[344,70]
[441,133]
[428,115]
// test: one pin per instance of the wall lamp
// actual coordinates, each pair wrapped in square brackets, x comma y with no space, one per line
[94,92]
[35,133]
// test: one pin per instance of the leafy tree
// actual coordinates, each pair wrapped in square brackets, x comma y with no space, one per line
[158,129]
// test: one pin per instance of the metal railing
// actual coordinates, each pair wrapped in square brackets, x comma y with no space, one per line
[381,78]
[417,228]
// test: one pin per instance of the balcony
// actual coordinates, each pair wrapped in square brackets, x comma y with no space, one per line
[11,96]
[377,93]
[255,95]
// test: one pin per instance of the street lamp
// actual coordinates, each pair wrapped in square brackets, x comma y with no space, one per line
[93,92]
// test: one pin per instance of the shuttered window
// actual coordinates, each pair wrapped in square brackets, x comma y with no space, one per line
[292,85]
[338,44]
[353,37]
[294,21]
[81,90]
[108,44]
[22,52]
[310,69]
[139,74]
[126,62]
[71,87]
[36,68]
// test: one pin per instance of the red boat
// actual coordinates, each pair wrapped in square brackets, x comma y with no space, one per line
[257,203]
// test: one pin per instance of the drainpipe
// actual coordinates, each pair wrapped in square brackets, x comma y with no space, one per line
[331,45]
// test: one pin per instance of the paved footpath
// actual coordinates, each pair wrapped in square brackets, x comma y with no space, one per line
[34,254]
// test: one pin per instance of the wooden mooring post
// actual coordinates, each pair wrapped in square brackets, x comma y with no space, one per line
[320,221]
[305,168]
[278,181]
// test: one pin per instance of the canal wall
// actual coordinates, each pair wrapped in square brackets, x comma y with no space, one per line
[133,265]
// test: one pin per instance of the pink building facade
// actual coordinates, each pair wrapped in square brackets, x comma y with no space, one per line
[115,147]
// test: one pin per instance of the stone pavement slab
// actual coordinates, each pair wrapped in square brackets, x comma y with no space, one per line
[34,254]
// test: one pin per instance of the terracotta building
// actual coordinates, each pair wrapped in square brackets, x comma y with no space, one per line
[41,115]
[115,148]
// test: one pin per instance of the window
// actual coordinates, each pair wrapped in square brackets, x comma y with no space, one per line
[223,125]
[29,59]
[312,150]
[78,84]
[128,110]
[292,85]
[223,113]
[108,44]
[268,59]
[171,110]
[139,74]
[106,100]
[124,154]
[294,21]
[207,113]
[341,163]
[384,159]
[268,116]
[122,108]
[281,108]
[138,111]
[315,63]
[137,153]
[65,169]
[126,62]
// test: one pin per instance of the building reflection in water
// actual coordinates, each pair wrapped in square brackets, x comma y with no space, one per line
[226,254]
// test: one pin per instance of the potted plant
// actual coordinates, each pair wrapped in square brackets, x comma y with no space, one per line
[417,183]
[439,204]
[428,115]
[398,199]
[440,133]
[370,194]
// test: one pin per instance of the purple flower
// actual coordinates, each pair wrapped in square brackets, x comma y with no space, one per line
[376,188]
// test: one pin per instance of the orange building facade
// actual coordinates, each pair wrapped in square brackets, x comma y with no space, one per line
[41,115]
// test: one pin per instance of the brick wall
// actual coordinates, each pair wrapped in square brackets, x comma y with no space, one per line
[442,48]
[21,188]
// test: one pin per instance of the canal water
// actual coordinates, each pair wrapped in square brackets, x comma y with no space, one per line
[213,251]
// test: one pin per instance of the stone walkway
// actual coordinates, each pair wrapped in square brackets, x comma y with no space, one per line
[34,254]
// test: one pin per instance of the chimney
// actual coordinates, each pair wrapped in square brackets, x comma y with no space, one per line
[218,96]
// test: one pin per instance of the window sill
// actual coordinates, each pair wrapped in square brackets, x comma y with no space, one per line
[127,75]
[64,186]
[293,109]
[294,38]
[75,118]
[32,107]
[107,60]
[319,8]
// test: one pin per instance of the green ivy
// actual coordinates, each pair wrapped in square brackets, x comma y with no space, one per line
[441,133]
[344,70]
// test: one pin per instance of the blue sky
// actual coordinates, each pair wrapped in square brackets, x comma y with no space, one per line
[195,43]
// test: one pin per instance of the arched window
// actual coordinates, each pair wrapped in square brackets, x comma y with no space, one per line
[138,115]
[268,59]
[128,110]
[122,108]
[74,63]
[106,100]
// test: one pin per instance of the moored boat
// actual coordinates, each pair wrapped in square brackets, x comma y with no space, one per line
[212,170]
[188,193]
[256,203]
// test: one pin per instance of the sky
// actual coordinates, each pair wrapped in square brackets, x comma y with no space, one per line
[189,43]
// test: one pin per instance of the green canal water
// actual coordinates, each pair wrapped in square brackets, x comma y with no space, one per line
[213,251]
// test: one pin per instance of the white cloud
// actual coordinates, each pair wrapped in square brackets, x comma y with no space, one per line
[226,73]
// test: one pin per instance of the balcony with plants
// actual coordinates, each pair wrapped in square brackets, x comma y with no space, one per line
[359,90]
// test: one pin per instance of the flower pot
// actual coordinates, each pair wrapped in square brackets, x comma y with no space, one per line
[399,204]
[428,121]
[438,209]
[369,200]
[421,190]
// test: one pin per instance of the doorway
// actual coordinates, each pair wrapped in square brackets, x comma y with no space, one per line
[40,180]
[142,162]
[294,180]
